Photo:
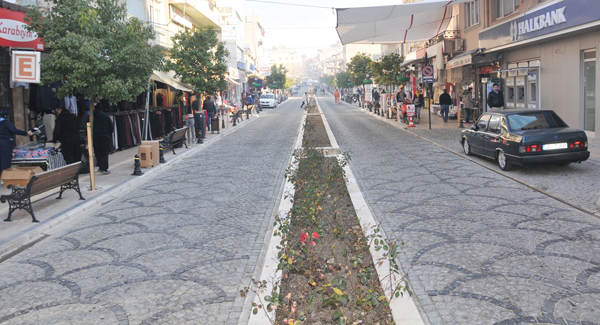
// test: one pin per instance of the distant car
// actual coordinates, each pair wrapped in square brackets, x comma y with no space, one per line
[268,100]
[525,138]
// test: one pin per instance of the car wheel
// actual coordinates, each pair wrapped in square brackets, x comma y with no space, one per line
[466,147]
[502,162]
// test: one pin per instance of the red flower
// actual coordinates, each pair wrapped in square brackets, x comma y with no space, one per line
[303,238]
[315,235]
[313,243]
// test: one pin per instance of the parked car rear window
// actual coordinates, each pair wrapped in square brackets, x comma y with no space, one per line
[267,96]
[535,120]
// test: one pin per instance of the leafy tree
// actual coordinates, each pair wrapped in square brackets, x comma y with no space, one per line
[387,70]
[342,78]
[199,59]
[328,80]
[359,67]
[96,48]
[277,77]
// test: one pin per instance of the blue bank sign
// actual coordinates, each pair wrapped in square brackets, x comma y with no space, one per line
[545,20]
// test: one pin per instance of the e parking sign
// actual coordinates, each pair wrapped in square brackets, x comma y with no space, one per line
[428,74]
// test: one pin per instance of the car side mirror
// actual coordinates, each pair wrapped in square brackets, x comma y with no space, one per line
[474,127]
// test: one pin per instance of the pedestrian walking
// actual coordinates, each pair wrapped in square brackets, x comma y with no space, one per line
[304,99]
[103,131]
[211,110]
[336,95]
[469,104]
[66,130]
[198,119]
[445,102]
[7,139]
[495,99]
[418,101]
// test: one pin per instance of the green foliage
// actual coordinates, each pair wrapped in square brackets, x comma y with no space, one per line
[200,60]
[341,79]
[328,80]
[359,67]
[387,70]
[278,76]
[102,53]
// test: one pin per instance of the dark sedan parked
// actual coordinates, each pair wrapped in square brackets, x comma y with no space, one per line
[525,138]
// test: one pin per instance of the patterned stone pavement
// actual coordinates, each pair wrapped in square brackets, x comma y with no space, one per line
[479,247]
[175,251]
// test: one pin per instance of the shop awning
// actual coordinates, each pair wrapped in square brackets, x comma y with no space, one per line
[462,59]
[232,81]
[411,22]
[168,79]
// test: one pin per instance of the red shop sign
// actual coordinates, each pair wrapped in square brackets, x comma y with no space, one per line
[13,32]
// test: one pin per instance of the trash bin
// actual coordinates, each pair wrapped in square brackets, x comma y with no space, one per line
[214,124]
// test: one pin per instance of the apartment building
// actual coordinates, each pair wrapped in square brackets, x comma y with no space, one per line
[547,54]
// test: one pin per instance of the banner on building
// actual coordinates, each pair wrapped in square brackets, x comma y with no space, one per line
[13,32]
[264,70]
[25,67]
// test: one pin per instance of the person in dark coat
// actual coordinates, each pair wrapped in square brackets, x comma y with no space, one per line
[103,130]
[66,130]
[7,139]
[495,99]
[209,107]
[445,102]
[198,119]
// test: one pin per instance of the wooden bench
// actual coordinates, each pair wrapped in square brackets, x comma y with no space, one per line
[174,139]
[67,177]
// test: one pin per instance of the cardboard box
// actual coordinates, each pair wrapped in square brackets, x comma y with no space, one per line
[146,156]
[155,151]
[19,176]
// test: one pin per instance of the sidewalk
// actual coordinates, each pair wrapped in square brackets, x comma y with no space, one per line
[438,124]
[51,212]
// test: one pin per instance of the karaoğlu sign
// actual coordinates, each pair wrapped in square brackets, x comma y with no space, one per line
[545,20]
[13,32]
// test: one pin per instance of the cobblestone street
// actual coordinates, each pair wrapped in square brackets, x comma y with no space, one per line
[175,251]
[479,248]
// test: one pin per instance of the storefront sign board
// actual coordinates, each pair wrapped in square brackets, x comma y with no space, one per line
[13,32]
[545,20]
[25,67]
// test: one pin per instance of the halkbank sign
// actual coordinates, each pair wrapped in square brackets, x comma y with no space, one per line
[559,15]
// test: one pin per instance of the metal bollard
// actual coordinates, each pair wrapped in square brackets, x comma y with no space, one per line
[162,155]
[137,171]
[222,121]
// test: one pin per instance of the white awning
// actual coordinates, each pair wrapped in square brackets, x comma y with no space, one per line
[411,22]
[230,80]
[169,79]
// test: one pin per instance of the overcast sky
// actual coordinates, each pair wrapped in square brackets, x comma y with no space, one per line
[304,28]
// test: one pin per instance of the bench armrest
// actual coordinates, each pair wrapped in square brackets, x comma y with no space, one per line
[19,193]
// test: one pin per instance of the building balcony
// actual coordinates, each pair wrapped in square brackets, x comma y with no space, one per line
[202,12]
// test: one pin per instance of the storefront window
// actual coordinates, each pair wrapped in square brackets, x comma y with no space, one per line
[589,90]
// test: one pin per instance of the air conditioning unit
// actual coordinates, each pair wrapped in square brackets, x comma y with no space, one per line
[459,45]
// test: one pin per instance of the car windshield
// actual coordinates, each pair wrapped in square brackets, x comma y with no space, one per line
[534,121]
[267,96]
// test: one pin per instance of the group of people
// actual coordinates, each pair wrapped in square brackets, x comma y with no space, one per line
[197,117]
[67,131]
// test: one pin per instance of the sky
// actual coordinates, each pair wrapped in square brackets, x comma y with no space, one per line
[304,28]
